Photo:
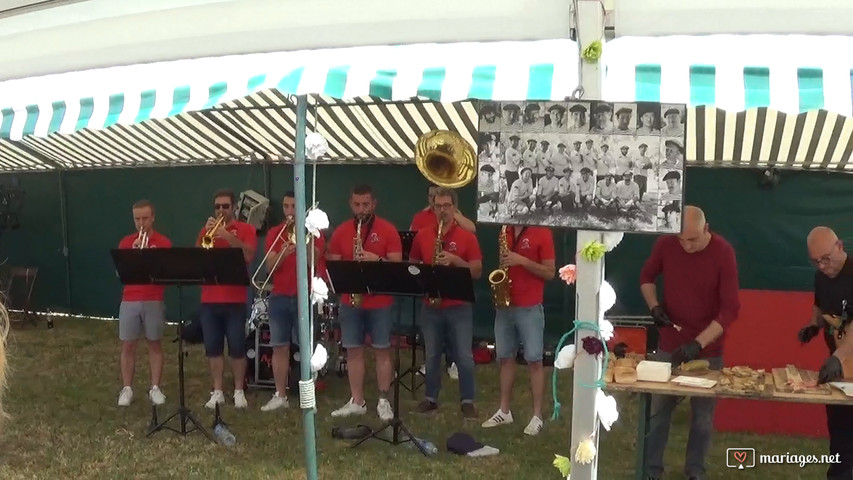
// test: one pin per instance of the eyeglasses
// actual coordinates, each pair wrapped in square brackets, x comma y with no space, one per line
[221,206]
[824,260]
[443,206]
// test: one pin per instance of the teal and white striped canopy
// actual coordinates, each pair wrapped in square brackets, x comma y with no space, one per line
[236,108]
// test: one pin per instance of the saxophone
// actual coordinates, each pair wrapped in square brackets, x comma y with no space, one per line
[499,278]
[356,298]
[436,251]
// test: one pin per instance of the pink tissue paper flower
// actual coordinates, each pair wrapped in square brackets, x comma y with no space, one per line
[568,274]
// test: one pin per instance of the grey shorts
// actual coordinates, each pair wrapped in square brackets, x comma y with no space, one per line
[136,317]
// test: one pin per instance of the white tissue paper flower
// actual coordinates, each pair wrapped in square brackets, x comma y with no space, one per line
[319,291]
[611,240]
[315,146]
[315,221]
[319,358]
[605,406]
[565,357]
[605,329]
[606,298]
[585,452]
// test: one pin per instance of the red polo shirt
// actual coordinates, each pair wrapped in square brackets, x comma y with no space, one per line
[536,244]
[698,288]
[424,219]
[228,293]
[380,238]
[456,241]
[144,293]
[284,278]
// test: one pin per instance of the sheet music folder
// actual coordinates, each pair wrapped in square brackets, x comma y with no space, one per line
[401,279]
[181,266]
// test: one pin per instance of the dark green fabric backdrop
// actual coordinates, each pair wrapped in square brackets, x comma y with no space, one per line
[767,227]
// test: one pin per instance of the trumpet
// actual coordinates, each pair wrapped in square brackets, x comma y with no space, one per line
[142,238]
[209,236]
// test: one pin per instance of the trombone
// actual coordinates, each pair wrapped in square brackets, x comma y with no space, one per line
[142,238]
[289,234]
[209,236]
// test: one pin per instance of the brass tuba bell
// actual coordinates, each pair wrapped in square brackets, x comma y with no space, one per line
[446,159]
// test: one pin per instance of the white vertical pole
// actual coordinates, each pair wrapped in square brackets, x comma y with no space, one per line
[587,369]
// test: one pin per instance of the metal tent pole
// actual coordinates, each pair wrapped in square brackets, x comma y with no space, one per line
[587,368]
[304,302]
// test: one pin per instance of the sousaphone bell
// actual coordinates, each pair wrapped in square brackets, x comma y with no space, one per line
[446,159]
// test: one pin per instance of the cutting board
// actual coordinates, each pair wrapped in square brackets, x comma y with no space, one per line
[781,375]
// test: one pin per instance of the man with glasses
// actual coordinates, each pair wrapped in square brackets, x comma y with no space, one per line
[700,295]
[223,307]
[833,303]
[448,324]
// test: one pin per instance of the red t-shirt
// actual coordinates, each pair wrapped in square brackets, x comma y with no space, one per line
[423,219]
[284,278]
[536,244]
[228,293]
[456,241]
[380,238]
[144,293]
[698,288]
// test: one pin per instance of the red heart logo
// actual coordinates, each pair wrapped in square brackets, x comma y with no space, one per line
[740,456]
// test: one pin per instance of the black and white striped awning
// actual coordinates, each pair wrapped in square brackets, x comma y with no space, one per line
[259,126]
[762,137]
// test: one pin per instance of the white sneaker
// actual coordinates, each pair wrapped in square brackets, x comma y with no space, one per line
[534,427]
[275,403]
[384,410]
[156,396]
[453,372]
[215,397]
[350,409]
[498,419]
[422,370]
[125,397]
[240,399]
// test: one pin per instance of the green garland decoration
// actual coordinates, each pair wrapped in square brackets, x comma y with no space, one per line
[592,52]
[593,251]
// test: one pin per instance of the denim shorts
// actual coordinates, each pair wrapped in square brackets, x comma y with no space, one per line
[524,324]
[357,322]
[283,317]
[220,321]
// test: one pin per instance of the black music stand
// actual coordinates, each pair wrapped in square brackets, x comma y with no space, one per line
[401,280]
[180,267]
[407,238]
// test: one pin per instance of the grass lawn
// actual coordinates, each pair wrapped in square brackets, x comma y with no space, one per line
[65,424]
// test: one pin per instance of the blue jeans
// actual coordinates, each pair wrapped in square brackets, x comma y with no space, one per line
[283,320]
[701,427]
[520,324]
[220,321]
[457,322]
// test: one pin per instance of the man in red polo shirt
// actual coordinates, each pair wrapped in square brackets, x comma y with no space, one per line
[142,310]
[283,306]
[427,218]
[531,263]
[448,322]
[380,242]
[223,307]
[700,295]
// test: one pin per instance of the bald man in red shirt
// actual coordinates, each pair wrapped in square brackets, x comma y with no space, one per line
[700,295]
[142,311]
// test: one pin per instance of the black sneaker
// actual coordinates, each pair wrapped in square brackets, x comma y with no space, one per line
[468,411]
[427,406]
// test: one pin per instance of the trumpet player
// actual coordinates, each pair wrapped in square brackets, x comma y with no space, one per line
[223,307]
[283,313]
[448,325]
[366,238]
[142,311]
[528,260]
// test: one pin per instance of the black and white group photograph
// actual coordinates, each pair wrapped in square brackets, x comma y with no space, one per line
[587,165]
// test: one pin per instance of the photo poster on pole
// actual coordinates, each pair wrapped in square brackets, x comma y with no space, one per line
[586,165]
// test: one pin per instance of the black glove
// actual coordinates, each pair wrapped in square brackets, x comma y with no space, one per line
[807,333]
[685,353]
[660,317]
[830,371]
